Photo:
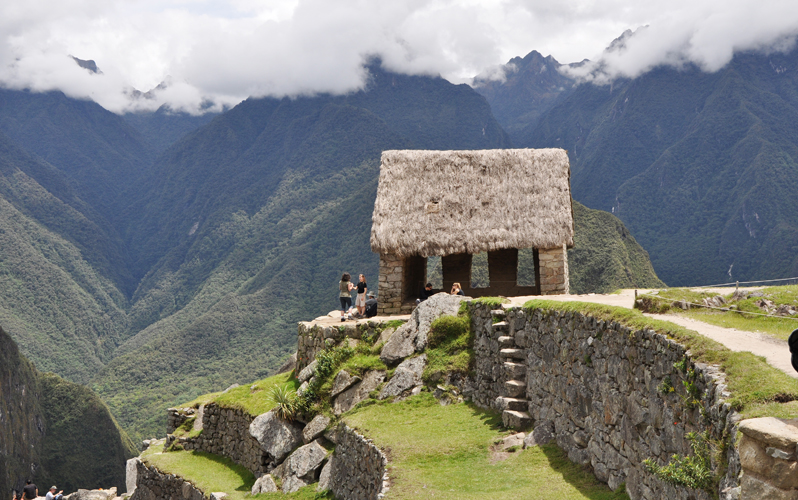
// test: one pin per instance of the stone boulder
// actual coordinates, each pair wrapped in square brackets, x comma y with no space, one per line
[288,365]
[325,478]
[264,484]
[300,468]
[276,436]
[358,392]
[412,336]
[406,376]
[131,474]
[307,371]
[93,494]
[218,495]
[544,432]
[315,428]
[343,381]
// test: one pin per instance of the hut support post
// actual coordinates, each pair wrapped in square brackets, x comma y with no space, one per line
[553,271]
[389,297]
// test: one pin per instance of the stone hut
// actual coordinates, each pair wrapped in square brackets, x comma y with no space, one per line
[455,204]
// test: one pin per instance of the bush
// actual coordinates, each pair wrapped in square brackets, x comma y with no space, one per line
[447,329]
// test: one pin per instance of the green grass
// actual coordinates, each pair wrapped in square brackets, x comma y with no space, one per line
[212,473]
[494,302]
[756,387]
[444,452]
[779,327]
[254,402]
[450,346]
[361,363]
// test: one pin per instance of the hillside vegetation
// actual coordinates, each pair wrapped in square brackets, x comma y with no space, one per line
[55,431]
[157,268]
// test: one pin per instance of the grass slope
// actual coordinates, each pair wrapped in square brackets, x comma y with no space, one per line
[444,452]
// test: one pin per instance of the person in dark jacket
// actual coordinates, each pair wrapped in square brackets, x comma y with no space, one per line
[371,306]
[424,294]
[29,491]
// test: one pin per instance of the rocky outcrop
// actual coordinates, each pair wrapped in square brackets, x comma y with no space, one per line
[276,436]
[406,376]
[358,392]
[264,484]
[302,467]
[412,336]
[315,428]
[313,337]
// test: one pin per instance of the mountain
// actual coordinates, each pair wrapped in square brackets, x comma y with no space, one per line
[56,292]
[192,273]
[55,431]
[246,225]
[527,89]
[605,256]
[701,167]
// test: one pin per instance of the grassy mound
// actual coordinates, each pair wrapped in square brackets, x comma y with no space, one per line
[255,398]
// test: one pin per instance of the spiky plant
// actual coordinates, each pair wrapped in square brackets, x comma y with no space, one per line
[285,401]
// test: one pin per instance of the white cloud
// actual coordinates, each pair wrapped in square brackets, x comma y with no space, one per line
[225,51]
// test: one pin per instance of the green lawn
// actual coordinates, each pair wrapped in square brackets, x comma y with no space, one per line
[254,398]
[444,452]
[212,473]
[779,327]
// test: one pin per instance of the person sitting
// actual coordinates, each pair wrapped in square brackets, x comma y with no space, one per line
[52,495]
[424,294]
[456,290]
[30,491]
[371,306]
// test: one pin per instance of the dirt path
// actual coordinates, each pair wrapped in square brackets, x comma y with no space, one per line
[774,350]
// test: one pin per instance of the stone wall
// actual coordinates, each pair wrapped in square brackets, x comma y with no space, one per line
[313,337]
[225,431]
[175,417]
[604,389]
[359,469]
[390,295]
[152,484]
[553,263]
[768,458]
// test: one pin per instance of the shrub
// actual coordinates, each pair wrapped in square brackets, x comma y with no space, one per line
[285,402]
[446,329]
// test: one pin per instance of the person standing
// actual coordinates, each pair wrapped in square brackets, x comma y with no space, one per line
[345,287]
[29,491]
[52,495]
[360,301]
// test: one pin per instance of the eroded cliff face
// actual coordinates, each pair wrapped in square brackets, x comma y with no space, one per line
[22,424]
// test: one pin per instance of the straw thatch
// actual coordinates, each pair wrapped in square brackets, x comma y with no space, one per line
[448,202]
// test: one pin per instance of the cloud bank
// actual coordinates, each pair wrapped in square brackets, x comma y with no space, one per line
[212,54]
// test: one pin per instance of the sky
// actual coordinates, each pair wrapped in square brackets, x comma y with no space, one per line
[214,53]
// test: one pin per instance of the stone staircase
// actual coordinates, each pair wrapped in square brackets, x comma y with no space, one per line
[513,402]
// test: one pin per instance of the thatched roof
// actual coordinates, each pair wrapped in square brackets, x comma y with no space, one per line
[447,202]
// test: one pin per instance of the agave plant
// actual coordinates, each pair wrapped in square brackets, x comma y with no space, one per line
[285,401]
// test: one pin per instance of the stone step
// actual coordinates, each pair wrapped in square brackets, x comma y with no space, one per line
[515,388]
[515,404]
[516,419]
[501,327]
[498,313]
[506,342]
[513,353]
[514,370]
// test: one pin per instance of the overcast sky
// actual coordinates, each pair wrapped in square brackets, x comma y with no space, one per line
[225,51]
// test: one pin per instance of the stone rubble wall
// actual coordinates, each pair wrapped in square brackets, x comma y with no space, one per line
[152,484]
[359,469]
[313,337]
[601,385]
[225,431]
[175,417]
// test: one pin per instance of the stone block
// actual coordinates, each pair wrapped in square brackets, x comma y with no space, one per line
[516,419]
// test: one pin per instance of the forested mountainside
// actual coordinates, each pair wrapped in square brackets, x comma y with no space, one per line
[55,431]
[701,167]
[192,272]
